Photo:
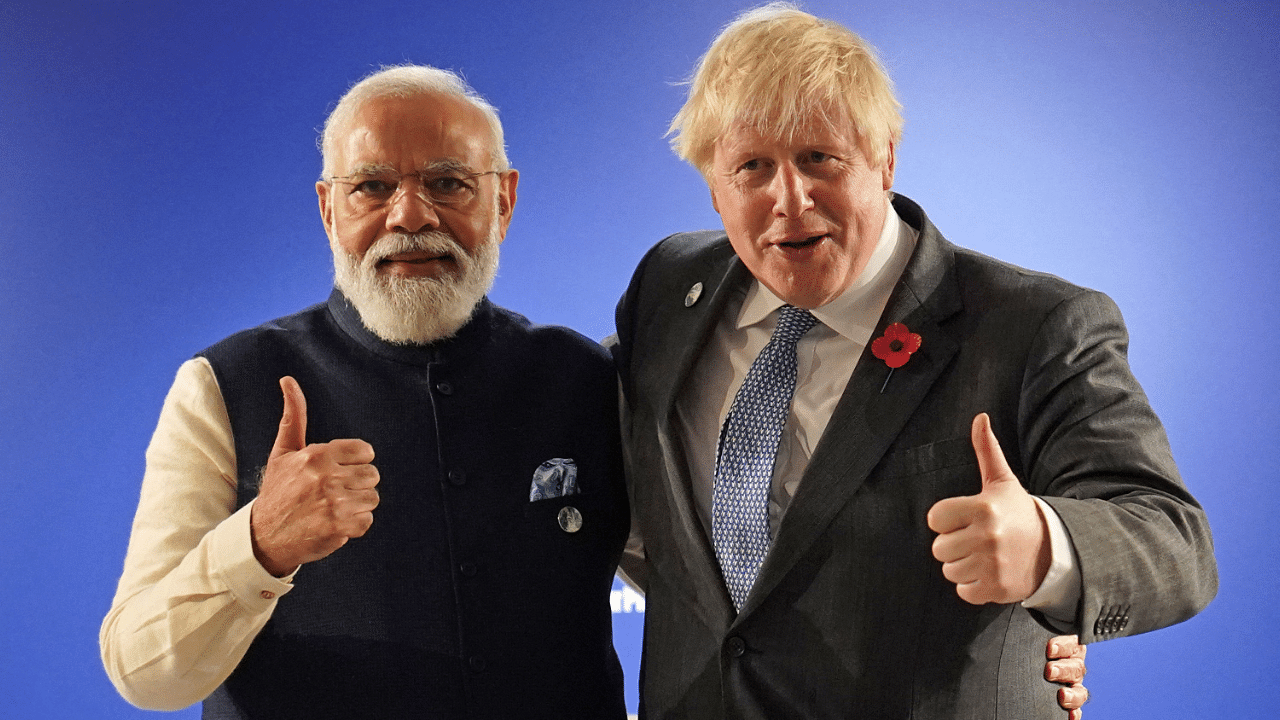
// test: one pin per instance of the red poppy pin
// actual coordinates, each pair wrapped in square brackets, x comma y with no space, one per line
[895,347]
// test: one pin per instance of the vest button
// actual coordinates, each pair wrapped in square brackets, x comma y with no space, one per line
[476,663]
[736,647]
[457,477]
[444,387]
[467,569]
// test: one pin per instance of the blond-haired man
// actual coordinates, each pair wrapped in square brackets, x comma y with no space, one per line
[873,472]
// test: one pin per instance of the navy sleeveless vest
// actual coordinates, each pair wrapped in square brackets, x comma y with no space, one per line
[465,599]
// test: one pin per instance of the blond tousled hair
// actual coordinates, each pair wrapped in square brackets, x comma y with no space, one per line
[776,66]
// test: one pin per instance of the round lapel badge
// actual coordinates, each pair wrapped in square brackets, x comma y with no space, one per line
[692,296]
[570,519]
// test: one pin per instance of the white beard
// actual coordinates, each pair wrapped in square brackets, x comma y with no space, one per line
[416,310]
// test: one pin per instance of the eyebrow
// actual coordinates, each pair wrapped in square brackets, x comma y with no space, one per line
[369,169]
[448,165]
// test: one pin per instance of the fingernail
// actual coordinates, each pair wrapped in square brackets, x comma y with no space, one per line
[1054,672]
[1054,648]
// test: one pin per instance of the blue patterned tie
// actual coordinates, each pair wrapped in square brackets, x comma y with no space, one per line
[744,460]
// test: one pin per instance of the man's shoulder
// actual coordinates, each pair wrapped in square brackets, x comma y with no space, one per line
[701,254]
[685,246]
[280,330]
[981,274]
[544,340]
[977,273]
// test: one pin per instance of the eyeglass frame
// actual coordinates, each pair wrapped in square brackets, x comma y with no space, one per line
[449,170]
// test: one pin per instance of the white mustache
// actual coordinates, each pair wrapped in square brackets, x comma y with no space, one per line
[433,243]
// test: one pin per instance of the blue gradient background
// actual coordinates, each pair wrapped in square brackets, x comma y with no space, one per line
[158,161]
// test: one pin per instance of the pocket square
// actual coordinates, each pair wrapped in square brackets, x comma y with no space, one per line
[554,478]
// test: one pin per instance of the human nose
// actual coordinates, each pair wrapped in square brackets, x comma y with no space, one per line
[410,210]
[790,189]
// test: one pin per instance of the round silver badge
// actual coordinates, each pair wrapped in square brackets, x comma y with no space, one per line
[692,296]
[570,519]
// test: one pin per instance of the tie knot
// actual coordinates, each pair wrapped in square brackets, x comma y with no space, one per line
[793,322]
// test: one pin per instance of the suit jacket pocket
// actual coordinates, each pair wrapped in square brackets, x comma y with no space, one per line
[929,457]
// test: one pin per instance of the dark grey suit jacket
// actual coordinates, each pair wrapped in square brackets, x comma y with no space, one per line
[850,615]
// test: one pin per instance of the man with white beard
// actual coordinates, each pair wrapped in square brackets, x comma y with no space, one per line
[403,502]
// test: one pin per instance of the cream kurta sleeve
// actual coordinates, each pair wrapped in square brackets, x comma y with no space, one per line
[192,596]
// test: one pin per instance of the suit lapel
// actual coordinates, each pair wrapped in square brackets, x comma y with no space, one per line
[688,324]
[685,330]
[866,421]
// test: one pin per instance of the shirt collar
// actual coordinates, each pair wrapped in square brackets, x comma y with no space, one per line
[855,313]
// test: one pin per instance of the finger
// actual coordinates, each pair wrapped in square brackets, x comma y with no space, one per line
[361,477]
[952,547]
[1073,698]
[962,572]
[292,435]
[349,451]
[976,593]
[1063,647]
[362,501]
[358,524]
[950,514]
[1065,671]
[991,463]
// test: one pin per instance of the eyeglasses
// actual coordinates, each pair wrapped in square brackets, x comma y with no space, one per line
[372,189]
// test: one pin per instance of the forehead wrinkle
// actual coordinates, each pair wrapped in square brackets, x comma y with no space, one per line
[446,165]
[372,168]
[747,137]
[400,128]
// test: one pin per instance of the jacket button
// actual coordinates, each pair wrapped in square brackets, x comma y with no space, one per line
[468,569]
[476,663]
[457,477]
[736,647]
[444,387]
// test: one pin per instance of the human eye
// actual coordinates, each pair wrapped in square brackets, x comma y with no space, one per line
[373,186]
[448,187]
[819,164]
[815,157]
[752,172]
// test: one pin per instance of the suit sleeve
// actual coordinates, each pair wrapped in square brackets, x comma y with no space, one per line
[620,343]
[1097,453]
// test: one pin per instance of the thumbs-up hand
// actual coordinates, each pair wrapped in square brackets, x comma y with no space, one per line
[313,498]
[994,545]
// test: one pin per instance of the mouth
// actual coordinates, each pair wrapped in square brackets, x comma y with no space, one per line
[801,243]
[414,258]
[417,263]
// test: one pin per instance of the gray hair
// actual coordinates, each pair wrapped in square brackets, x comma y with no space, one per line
[408,81]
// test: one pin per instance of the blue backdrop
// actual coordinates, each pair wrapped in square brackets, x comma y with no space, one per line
[161,158]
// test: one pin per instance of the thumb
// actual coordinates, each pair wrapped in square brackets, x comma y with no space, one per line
[293,421]
[991,463]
